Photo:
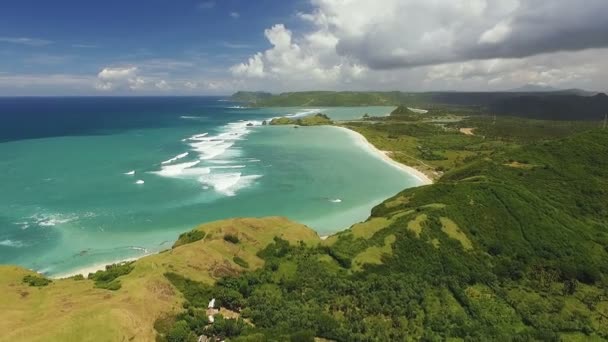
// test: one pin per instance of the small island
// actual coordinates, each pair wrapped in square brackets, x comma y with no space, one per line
[318,119]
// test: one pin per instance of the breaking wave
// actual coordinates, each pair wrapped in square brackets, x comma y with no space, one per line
[211,157]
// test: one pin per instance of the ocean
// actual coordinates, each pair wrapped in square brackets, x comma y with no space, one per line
[88,181]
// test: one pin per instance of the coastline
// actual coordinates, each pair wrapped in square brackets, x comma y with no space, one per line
[360,138]
[95,267]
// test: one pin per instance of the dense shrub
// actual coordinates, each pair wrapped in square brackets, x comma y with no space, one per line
[231,238]
[35,280]
[107,279]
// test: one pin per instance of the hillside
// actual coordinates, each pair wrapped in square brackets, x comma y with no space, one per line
[511,243]
[76,310]
[328,98]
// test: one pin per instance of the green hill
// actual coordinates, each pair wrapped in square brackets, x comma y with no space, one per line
[328,98]
[310,120]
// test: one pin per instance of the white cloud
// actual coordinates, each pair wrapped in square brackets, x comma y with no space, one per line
[435,44]
[120,78]
[254,67]
[235,15]
[25,41]
[312,58]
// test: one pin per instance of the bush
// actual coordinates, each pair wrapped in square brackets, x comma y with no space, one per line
[231,238]
[239,261]
[78,277]
[107,279]
[189,237]
[34,280]
[180,332]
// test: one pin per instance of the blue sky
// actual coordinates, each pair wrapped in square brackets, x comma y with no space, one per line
[150,47]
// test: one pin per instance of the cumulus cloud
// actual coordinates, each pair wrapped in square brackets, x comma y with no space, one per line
[111,78]
[413,44]
[313,58]
[409,33]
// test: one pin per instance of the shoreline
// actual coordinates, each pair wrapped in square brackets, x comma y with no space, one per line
[94,268]
[360,138]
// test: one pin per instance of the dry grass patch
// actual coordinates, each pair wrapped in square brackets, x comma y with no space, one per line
[452,230]
[373,254]
[415,225]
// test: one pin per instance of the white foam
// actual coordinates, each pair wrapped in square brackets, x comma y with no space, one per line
[237,107]
[11,243]
[177,157]
[228,183]
[228,167]
[196,137]
[139,181]
[130,173]
[220,161]
[336,200]
[190,117]
[182,170]
[51,220]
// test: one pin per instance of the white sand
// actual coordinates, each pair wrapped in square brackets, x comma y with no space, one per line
[93,268]
[424,179]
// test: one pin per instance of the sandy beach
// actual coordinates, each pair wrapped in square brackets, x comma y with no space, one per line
[94,268]
[359,138]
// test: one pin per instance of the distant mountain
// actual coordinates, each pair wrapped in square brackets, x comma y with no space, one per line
[553,107]
[250,96]
[533,88]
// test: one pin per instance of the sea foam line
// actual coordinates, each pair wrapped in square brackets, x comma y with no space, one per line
[177,157]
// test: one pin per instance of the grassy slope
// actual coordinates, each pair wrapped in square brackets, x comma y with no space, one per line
[70,310]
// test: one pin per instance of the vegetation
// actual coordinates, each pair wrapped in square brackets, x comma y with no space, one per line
[240,261]
[329,98]
[231,238]
[69,310]
[570,104]
[36,280]
[107,279]
[510,243]
[189,237]
[310,120]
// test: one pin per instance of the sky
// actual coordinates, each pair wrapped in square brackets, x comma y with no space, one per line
[216,47]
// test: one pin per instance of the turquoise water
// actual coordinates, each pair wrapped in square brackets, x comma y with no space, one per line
[125,189]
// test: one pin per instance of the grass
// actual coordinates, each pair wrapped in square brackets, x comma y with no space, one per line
[452,230]
[417,224]
[68,310]
[374,254]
